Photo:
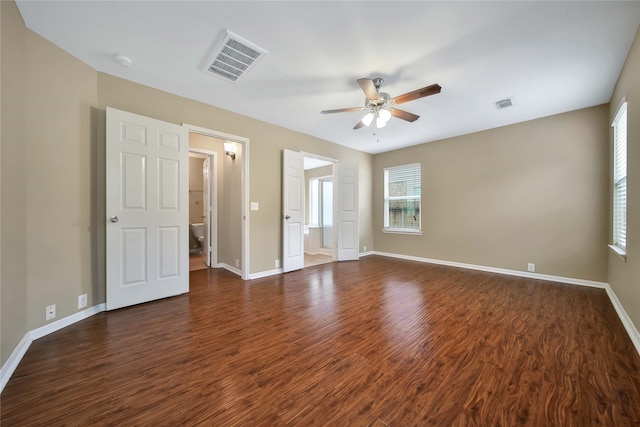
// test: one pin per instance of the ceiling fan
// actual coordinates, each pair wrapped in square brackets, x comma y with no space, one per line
[381,107]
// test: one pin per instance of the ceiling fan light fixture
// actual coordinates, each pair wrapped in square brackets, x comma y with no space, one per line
[367,119]
[384,115]
[380,122]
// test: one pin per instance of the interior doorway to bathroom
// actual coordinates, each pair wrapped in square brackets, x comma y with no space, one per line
[319,234]
[201,204]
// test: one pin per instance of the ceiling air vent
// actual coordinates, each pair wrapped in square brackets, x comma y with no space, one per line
[233,57]
[504,103]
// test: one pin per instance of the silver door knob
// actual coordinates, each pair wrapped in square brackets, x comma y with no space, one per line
[114,219]
[287,217]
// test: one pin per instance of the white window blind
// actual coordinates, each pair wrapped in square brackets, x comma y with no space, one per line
[620,178]
[402,193]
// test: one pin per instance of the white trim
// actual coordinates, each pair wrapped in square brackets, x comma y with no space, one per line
[402,231]
[569,280]
[624,318]
[18,353]
[244,273]
[319,157]
[14,360]
[66,321]
[267,273]
[233,270]
[619,252]
[366,253]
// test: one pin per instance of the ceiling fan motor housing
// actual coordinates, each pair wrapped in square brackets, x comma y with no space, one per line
[383,99]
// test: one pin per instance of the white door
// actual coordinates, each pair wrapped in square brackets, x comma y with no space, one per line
[347,212]
[292,211]
[206,210]
[147,209]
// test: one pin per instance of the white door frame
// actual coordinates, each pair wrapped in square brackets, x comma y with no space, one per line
[212,224]
[244,185]
[334,172]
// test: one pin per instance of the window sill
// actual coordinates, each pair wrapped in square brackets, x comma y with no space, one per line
[620,253]
[400,231]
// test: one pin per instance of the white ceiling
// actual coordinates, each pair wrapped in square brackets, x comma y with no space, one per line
[551,57]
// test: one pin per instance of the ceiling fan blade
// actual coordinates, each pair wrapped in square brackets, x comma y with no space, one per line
[341,110]
[404,115]
[369,89]
[358,125]
[419,93]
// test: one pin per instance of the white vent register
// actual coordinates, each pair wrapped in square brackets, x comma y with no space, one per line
[504,103]
[233,57]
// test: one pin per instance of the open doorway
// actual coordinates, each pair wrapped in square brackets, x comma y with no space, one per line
[228,222]
[201,208]
[319,232]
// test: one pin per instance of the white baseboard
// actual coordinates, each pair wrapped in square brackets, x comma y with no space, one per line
[14,360]
[227,267]
[362,254]
[262,274]
[624,318]
[18,353]
[518,273]
[66,321]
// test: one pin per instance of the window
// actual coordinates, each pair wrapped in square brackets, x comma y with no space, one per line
[620,179]
[402,189]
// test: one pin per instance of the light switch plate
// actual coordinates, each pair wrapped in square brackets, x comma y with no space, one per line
[254,206]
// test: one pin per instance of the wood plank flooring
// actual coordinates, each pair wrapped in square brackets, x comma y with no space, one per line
[378,342]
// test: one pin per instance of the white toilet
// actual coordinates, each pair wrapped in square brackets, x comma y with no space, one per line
[198,231]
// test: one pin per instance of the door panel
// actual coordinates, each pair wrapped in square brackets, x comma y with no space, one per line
[147,209]
[292,211]
[168,185]
[347,213]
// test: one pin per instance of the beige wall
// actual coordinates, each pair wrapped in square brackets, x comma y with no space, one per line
[624,277]
[58,166]
[265,157]
[13,189]
[47,149]
[531,192]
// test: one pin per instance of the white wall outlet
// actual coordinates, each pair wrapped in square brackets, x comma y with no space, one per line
[237,263]
[255,206]
[365,248]
[277,264]
[50,312]
[531,267]
[82,301]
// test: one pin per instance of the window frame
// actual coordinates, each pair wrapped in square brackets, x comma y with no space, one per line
[619,186]
[386,199]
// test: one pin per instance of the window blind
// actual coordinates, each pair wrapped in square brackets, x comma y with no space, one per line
[402,197]
[620,177]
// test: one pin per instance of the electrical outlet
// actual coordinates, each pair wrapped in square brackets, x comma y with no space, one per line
[50,312]
[82,301]
[277,264]
[237,263]
[531,267]
[365,248]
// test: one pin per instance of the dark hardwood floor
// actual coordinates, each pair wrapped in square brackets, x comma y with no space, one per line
[375,342]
